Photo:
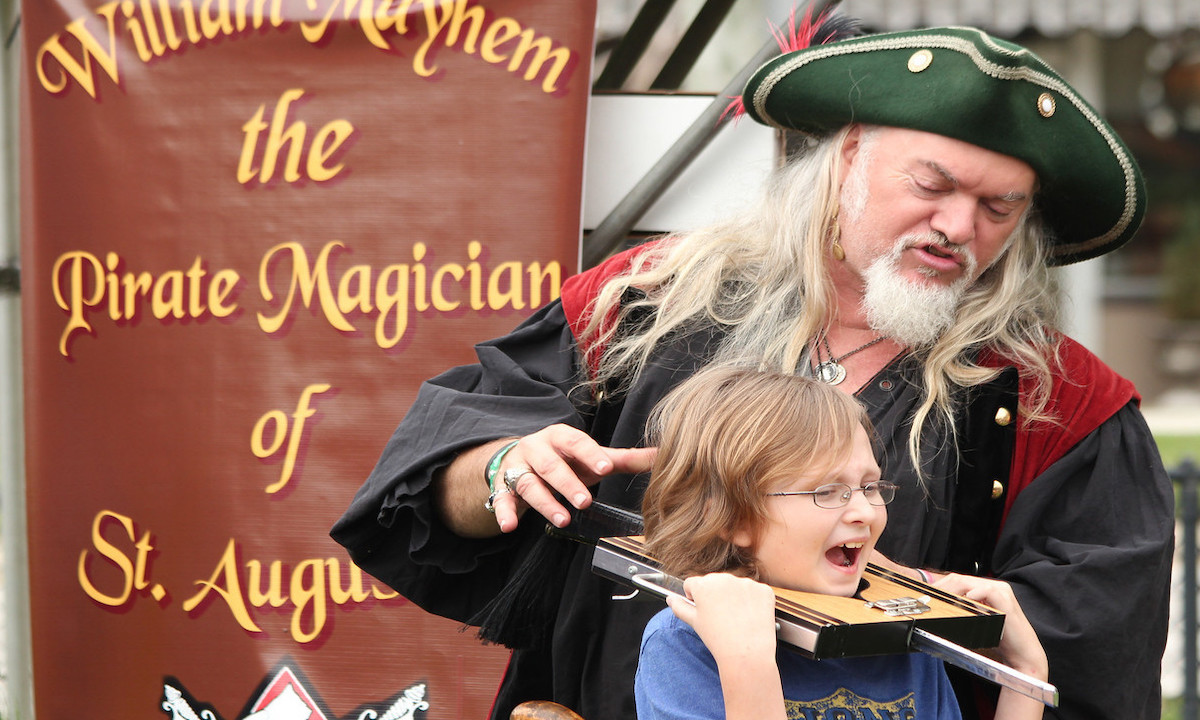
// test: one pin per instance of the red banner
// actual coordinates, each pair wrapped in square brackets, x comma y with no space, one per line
[250,229]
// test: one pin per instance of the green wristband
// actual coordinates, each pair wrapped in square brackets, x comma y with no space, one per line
[493,466]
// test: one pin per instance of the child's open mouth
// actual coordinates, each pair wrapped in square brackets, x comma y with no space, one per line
[845,555]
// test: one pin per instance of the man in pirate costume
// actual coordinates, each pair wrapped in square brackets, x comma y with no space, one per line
[903,253]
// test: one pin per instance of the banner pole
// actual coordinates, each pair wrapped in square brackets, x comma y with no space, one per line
[17,699]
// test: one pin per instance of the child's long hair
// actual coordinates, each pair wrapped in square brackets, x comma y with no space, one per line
[726,437]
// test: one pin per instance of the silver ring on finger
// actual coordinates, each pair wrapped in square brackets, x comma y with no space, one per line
[512,475]
[490,505]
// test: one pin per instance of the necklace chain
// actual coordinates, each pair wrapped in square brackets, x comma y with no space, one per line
[878,339]
[832,371]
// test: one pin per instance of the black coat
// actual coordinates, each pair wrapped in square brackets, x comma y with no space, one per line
[1087,546]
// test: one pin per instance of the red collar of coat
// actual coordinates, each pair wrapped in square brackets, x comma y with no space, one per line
[578,291]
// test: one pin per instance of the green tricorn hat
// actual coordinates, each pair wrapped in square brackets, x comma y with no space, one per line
[964,84]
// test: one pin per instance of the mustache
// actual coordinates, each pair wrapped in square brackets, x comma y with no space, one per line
[937,240]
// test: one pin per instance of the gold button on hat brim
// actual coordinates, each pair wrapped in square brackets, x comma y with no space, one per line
[919,60]
[1046,105]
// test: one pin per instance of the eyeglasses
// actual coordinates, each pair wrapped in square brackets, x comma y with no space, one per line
[836,495]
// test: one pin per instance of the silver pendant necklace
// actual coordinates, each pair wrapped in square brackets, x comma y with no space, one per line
[832,371]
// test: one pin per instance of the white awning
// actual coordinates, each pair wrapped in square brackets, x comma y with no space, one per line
[1049,17]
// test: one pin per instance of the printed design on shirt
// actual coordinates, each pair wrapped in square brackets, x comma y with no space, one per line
[846,704]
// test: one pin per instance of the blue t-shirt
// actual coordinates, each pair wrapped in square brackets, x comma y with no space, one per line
[677,679]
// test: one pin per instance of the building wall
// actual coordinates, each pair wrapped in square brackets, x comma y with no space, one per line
[1133,337]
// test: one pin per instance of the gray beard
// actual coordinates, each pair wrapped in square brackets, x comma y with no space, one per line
[912,314]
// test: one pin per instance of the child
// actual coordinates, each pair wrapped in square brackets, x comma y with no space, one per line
[738,451]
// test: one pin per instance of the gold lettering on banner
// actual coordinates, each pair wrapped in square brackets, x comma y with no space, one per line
[87,286]
[327,141]
[306,590]
[226,583]
[277,420]
[158,28]
[90,48]
[153,28]
[312,585]
[395,288]
[452,23]
[133,571]
[82,284]
[465,19]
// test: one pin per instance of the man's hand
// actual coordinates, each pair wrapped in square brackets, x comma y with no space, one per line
[559,458]
[563,459]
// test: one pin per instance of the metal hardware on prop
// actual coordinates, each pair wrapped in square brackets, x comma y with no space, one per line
[901,605]
[984,667]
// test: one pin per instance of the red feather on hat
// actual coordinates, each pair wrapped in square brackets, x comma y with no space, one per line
[827,28]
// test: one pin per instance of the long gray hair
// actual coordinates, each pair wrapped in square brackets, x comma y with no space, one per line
[761,277]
